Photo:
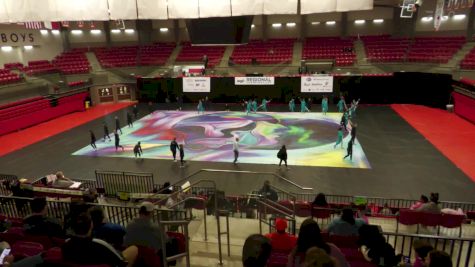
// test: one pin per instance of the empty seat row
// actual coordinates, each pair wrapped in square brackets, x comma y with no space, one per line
[272,51]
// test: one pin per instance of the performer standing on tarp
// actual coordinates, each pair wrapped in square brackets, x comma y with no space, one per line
[117,141]
[117,125]
[173,147]
[292,104]
[129,120]
[339,139]
[93,139]
[182,156]
[341,104]
[106,132]
[200,107]
[138,150]
[303,105]
[263,106]
[349,150]
[324,105]
[254,105]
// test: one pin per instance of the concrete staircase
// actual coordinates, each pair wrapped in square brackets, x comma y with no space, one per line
[360,53]
[173,56]
[95,65]
[297,53]
[227,54]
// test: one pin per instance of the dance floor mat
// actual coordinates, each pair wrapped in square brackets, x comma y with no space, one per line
[309,138]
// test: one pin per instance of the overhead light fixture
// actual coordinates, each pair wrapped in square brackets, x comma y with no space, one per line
[378,20]
[315,22]
[55,32]
[290,24]
[129,30]
[44,32]
[76,32]
[459,17]
[7,48]
[360,21]
[115,31]
[427,19]
[163,29]
[276,25]
[95,31]
[28,47]
[444,18]
[331,22]
[252,25]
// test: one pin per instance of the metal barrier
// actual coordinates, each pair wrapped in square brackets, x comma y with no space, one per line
[5,180]
[131,182]
[199,199]
[185,254]
[461,250]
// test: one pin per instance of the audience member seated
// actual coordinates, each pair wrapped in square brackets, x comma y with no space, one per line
[310,236]
[420,202]
[61,181]
[438,259]
[421,249]
[256,251]
[346,224]
[38,223]
[166,188]
[83,249]
[75,209]
[432,206]
[280,240]
[374,247]
[317,257]
[320,201]
[267,192]
[142,231]
[9,260]
[173,200]
[386,210]
[109,232]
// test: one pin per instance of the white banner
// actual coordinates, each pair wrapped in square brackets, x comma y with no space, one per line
[196,84]
[316,84]
[253,80]
[272,7]
[20,37]
[152,9]
[122,9]
[214,8]
[247,7]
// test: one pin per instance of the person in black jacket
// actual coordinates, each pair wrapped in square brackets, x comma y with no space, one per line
[173,147]
[93,139]
[117,125]
[182,156]
[267,192]
[282,155]
[106,132]
[129,120]
[138,150]
[117,141]
[349,150]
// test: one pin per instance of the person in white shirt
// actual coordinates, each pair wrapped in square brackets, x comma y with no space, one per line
[236,149]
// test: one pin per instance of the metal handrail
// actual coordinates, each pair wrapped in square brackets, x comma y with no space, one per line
[186,254]
[204,211]
[233,171]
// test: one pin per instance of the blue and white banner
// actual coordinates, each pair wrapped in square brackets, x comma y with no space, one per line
[316,84]
[254,81]
[196,84]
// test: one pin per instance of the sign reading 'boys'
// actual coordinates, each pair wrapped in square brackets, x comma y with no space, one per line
[19,37]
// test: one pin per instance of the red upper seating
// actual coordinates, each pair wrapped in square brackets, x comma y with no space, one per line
[468,62]
[438,50]
[191,53]
[14,65]
[72,62]
[39,67]
[334,48]
[127,56]
[7,77]
[265,52]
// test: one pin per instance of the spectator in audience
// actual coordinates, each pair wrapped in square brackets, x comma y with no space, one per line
[432,206]
[317,257]
[90,195]
[386,210]
[166,188]
[61,181]
[320,201]
[374,247]
[267,192]
[346,224]
[421,249]
[256,251]
[81,248]
[9,260]
[109,232]
[310,236]
[173,200]
[75,209]
[142,231]
[38,223]
[438,259]
[420,202]
[281,240]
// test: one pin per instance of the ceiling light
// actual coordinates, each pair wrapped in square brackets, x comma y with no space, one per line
[444,18]
[76,32]
[163,29]
[316,23]
[378,20]
[360,21]
[115,31]
[7,48]
[96,31]
[28,47]
[459,17]
[290,24]
[276,25]
[44,32]
[129,30]
[252,25]
[331,22]
[426,19]
[55,32]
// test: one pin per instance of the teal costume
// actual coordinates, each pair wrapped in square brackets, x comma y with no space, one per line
[248,106]
[339,139]
[254,105]
[303,106]
[263,106]
[292,105]
[341,105]
[201,108]
[324,105]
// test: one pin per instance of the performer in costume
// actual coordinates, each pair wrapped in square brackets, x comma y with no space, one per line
[106,132]
[324,105]
[353,131]
[263,106]
[349,150]
[138,150]
[200,107]
[344,120]
[248,106]
[303,105]
[117,125]
[117,141]
[339,139]
[129,120]
[254,105]
[341,104]
[93,139]
[352,109]
[173,147]
[292,105]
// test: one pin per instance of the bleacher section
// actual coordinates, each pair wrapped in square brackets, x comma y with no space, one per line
[13,66]
[334,48]
[127,56]
[437,50]
[39,67]
[191,53]
[8,77]
[273,51]
[72,62]
[468,61]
